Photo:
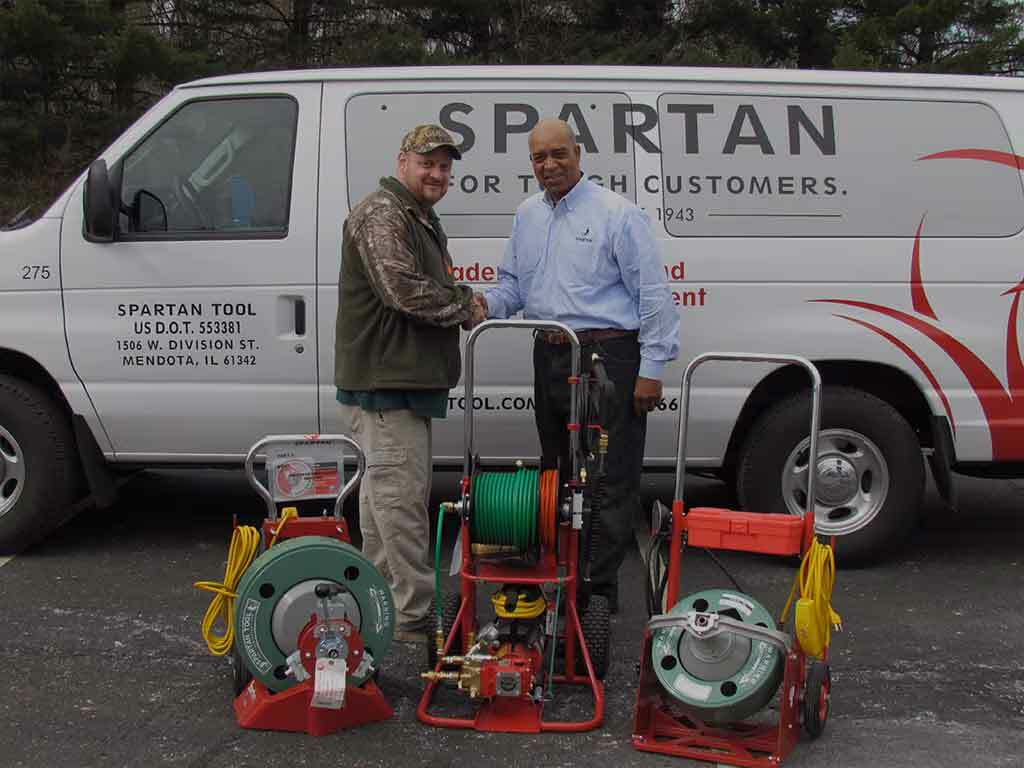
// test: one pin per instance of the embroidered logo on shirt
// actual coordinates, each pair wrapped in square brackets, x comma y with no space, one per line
[585,237]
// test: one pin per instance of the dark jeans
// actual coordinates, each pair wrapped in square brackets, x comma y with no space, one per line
[626,434]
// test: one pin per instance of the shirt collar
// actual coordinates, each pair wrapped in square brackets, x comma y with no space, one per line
[398,189]
[573,197]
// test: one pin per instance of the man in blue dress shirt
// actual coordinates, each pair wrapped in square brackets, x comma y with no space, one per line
[585,256]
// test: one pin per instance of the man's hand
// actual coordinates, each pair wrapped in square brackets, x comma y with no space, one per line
[479,313]
[647,395]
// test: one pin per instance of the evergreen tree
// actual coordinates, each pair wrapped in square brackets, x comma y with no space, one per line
[969,36]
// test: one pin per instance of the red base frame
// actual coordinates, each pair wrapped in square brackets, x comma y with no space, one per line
[305,526]
[257,707]
[520,715]
[656,728]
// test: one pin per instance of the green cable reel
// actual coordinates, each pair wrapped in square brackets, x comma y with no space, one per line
[276,597]
[723,678]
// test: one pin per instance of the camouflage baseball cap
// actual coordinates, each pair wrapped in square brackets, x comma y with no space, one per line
[426,138]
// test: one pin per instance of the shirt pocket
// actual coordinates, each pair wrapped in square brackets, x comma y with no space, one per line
[588,264]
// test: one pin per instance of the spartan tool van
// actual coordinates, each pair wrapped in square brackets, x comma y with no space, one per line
[178,301]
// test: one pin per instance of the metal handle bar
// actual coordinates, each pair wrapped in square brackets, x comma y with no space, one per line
[543,325]
[707,625]
[751,358]
[343,494]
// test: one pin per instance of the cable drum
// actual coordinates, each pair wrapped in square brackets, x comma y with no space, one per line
[723,678]
[276,597]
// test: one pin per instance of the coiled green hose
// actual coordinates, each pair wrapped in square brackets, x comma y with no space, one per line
[506,507]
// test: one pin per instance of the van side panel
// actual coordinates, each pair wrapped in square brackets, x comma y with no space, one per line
[871,224]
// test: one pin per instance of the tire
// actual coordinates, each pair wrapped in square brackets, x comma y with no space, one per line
[450,608]
[38,465]
[595,623]
[817,699]
[876,470]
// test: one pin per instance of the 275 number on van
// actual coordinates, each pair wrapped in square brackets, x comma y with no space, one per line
[35,272]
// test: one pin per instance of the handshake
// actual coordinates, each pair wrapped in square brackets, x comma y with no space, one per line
[479,313]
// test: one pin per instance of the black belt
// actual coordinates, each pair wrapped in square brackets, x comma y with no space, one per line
[585,336]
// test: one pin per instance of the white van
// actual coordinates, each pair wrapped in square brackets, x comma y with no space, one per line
[178,301]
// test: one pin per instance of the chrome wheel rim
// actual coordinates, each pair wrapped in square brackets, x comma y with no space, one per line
[12,471]
[851,485]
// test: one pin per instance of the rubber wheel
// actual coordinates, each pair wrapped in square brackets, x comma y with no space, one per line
[240,674]
[38,465]
[596,623]
[817,698]
[450,608]
[870,451]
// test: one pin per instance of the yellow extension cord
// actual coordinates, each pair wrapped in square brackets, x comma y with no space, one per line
[245,543]
[815,617]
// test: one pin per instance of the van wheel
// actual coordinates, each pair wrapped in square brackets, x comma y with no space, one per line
[870,469]
[37,465]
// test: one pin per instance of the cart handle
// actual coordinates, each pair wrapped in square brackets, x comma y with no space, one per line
[540,325]
[707,625]
[806,364]
[346,490]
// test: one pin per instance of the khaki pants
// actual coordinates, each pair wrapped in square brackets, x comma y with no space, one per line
[393,499]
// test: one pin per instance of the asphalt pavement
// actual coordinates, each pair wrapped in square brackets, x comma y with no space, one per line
[105,664]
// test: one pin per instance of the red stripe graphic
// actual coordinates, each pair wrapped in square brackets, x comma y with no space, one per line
[905,348]
[1014,367]
[988,155]
[998,405]
[917,293]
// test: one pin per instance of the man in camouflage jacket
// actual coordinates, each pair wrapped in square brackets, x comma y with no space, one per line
[397,356]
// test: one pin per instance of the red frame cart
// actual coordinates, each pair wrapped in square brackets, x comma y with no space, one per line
[658,725]
[556,566]
[294,709]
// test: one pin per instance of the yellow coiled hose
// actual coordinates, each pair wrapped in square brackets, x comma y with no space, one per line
[245,543]
[814,616]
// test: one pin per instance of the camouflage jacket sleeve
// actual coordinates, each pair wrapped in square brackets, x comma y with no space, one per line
[393,270]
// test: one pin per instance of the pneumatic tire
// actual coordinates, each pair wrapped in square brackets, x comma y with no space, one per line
[869,467]
[450,612]
[817,699]
[596,625]
[38,465]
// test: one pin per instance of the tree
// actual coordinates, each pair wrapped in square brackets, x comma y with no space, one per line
[968,36]
[800,33]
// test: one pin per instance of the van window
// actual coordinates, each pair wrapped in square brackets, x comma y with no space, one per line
[492,129]
[735,165]
[214,168]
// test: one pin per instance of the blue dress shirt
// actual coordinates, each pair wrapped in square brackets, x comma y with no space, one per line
[589,261]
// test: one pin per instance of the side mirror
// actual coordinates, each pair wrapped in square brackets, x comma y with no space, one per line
[100,211]
[148,213]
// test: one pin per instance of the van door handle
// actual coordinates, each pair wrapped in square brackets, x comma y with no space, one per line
[300,317]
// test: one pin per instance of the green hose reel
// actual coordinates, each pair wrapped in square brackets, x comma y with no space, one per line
[505,508]
[723,678]
[276,597]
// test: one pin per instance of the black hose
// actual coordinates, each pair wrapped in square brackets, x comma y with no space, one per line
[657,573]
[593,525]
[653,585]
[725,570]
